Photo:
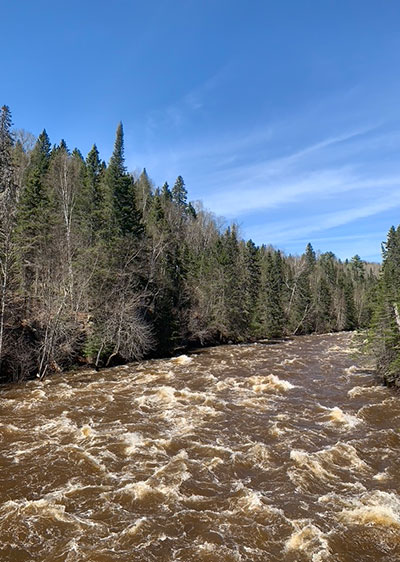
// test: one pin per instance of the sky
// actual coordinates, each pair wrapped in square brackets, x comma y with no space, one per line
[283,117]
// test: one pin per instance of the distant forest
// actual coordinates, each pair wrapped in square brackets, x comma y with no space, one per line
[99,266]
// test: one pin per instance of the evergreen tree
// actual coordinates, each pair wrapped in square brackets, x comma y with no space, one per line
[156,214]
[252,261]
[274,286]
[34,214]
[8,197]
[270,313]
[385,324]
[111,269]
[121,186]
[166,192]
[179,193]
[237,318]
[310,258]
[6,144]
[191,211]
[351,321]
[323,306]
[358,267]
[95,203]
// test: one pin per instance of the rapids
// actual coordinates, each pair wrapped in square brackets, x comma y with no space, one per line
[237,453]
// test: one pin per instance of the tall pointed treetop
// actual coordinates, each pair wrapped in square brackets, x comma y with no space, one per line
[179,192]
[166,192]
[6,144]
[93,162]
[117,161]
[41,153]
[122,189]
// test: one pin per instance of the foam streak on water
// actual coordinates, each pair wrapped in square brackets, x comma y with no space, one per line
[251,453]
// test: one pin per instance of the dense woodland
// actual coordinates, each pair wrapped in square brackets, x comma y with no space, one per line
[99,266]
[384,337]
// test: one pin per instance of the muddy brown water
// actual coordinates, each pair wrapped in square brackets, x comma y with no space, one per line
[238,453]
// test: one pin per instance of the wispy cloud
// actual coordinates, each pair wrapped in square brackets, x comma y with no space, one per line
[285,231]
[175,115]
[280,192]
[284,184]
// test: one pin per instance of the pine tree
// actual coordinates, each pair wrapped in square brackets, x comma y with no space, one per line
[270,316]
[8,197]
[34,214]
[252,261]
[348,291]
[121,186]
[95,204]
[6,144]
[156,214]
[232,259]
[310,258]
[166,192]
[179,193]
[385,324]
[323,306]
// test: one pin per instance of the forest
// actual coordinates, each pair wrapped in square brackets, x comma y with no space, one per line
[99,266]
[384,333]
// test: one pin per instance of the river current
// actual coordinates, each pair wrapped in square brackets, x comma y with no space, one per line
[285,452]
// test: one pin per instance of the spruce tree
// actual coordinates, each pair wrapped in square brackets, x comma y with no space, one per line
[95,206]
[6,144]
[385,324]
[270,317]
[166,192]
[233,261]
[8,197]
[310,258]
[121,186]
[252,262]
[323,305]
[274,285]
[34,215]
[179,193]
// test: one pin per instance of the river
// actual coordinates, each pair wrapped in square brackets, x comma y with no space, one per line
[235,453]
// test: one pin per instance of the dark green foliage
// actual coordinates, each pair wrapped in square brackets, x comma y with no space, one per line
[95,203]
[179,193]
[6,144]
[166,192]
[231,257]
[252,264]
[385,324]
[8,198]
[310,258]
[34,214]
[191,211]
[122,189]
[323,306]
[270,317]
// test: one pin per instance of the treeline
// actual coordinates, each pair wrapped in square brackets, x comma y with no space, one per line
[384,335]
[100,266]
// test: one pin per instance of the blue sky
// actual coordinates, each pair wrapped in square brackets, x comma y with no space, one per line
[283,116]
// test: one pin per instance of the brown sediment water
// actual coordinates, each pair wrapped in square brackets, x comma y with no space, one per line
[237,453]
